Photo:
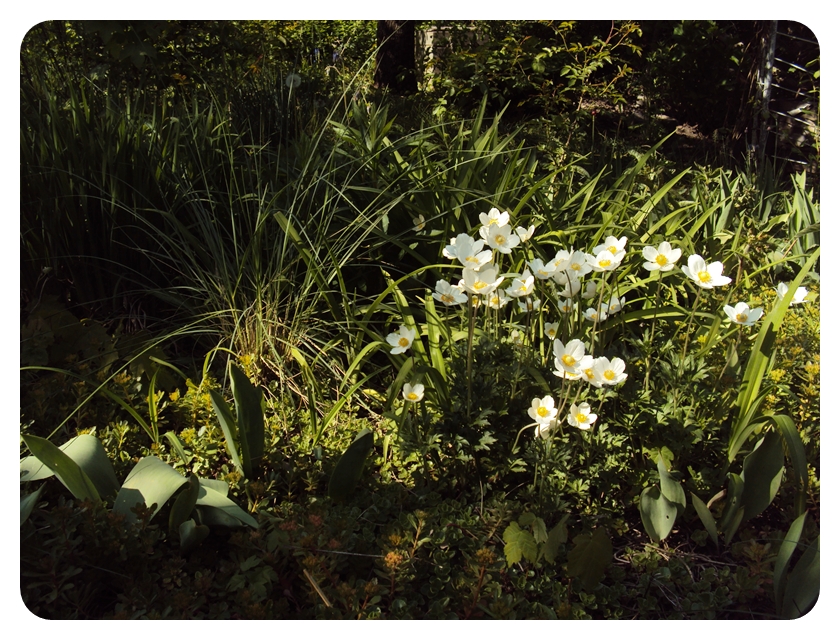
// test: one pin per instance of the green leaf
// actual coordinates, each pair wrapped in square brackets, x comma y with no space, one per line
[762,474]
[217,501]
[519,543]
[177,446]
[70,474]
[557,536]
[796,453]
[250,421]
[590,557]
[706,518]
[803,584]
[87,452]
[733,500]
[786,550]
[184,504]
[658,513]
[538,529]
[670,488]
[191,535]
[350,465]
[28,502]
[226,421]
[527,519]
[151,482]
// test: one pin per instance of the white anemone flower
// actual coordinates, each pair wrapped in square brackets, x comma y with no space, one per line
[499,238]
[529,304]
[551,329]
[742,314]
[610,372]
[581,416]
[603,261]
[494,216]
[522,285]
[482,282]
[663,258]
[497,299]
[565,305]
[449,294]
[561,260]
[614,245]
[468,252]
[571,282]
[401,339]
[798,296]
[543,430]
[567,357]
[589,373]
[542,271]
[705,276]
[525,234]
[542,411]
[579,264]
[590,291]
[419,222]
[615,305]
[413,392]
[594,316]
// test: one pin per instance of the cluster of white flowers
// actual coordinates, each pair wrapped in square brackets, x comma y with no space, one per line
[544,415]
[572,363]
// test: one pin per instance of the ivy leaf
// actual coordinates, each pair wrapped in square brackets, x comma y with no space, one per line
[519,543]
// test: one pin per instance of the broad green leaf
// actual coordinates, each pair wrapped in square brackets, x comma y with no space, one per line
[87,452]
[151,482]
[706,518]
[519,543]
[28,502]
[228,424]
[658,513]
[209,497]
[191,535]
[350,465]
[762,474]
[803,584]
[526,519]
[250,421]
[177,446]
[557,536]
[184,504]
[733,500]
[219,486]
[786,550]
[538,529]
[670,488]
[70,474]
[796,454]
[590,557]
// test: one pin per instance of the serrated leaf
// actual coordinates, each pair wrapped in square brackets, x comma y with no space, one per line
[151,481]
[590,557]
[557,536]
[519,543]
[539,531]
[527,519]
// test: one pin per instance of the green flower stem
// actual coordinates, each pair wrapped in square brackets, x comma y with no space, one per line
[652,330]
[470,333]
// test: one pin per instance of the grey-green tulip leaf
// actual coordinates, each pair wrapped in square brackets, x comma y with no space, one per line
[28,502]
[192,535]
[349,467]
[658,513]
[670,488]
[69,473]
[762,474]
[249,419]
[705,517]
[184,504]
[786,550]
[228,424]
[151,481]
[803,584]
[209,497]
[87,452]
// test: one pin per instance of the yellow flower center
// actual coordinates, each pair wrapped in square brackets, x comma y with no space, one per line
[542,273]
[551,333]
[412,396]
[661,260]
[542,412]
[568,360]
[523,288]
[471,259]
[403,342]
[604,263]
[613,250]
[589,373]
[582,417]
[500,239]
[704,276]
[575,266]
[609,374]
[447,298]
[741,317]
[479,285]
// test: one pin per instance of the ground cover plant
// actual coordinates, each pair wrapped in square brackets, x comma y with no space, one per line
[294,351]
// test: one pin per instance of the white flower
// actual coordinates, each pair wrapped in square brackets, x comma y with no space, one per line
[542,271]
[542,411]
[663,258]
[567,357]
[499,237]
[590,291]
[543,430]
[292,80]
[561,261]
[798,296]
[497,299]
[579,264]
[571,282]
[468,252]
[615,305]
[589,373]
[481,282]
[614,246]
[494,217]
[603,261]
[525,234]
[551,329]
[610,372]
[742,314]
[522,285]
[419,222]
[527,304]
[581,416]
[413,392]
[593,316]
[706,277]
[565,305]
[401,339]
[449,294]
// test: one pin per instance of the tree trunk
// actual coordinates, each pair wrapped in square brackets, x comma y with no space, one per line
[395,65]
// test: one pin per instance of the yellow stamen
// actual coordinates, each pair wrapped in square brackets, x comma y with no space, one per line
[582,417]
[704,276]
[613,250]
[542,412]
[741,317]
[479,285]
[609,374]
[403,342]
[568,360]
[575,266]
[500,239]
[661,260]
[412,396]
[604,263]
